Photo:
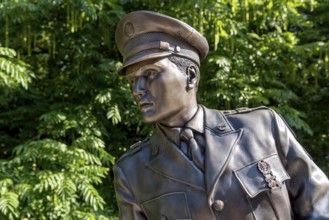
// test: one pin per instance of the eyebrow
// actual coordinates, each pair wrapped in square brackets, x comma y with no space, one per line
[143,68]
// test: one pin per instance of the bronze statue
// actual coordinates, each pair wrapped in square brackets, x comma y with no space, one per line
[201,163]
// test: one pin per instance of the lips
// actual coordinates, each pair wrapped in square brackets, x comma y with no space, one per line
[145,106]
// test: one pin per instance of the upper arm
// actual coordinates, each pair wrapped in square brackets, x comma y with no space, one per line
[128,207]
[309,186]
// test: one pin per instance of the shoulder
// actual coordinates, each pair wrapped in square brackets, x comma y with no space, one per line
[258,113]
[245,110]
[244,113]
[135,151]
[261,117]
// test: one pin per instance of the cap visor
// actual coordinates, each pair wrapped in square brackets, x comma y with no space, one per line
[142,57]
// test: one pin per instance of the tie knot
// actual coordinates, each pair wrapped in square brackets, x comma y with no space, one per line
[186,134]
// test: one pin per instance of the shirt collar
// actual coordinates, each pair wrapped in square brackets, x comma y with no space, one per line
[196,123]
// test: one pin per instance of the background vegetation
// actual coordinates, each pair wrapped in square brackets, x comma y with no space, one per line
[66,116]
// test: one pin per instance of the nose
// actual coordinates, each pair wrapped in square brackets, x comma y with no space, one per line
[139,86]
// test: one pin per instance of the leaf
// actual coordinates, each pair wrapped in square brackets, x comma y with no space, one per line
[255,36]
[13,74]
[87,157]
[91,196]
[9,204]
[104,96]
[114,114]
[53,117]
[7,52]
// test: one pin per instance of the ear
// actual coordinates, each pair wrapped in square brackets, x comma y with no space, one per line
[192,77]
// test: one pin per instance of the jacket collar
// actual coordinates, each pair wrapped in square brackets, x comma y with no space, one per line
[196,123]
[221,139]
[169,161]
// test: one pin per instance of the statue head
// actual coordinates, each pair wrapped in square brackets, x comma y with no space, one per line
[161,58]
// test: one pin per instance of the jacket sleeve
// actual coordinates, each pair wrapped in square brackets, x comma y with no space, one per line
[129,209]
[308,186]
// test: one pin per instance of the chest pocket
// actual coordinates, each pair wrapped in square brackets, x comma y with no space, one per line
[170,206]
[264,184]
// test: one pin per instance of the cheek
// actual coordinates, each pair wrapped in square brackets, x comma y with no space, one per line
[174,86]
[174,97]
[168,89]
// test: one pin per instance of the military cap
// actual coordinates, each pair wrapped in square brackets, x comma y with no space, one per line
[144,35]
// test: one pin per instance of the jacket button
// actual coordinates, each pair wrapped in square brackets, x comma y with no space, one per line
[218,205]
[222,127]
[163,217]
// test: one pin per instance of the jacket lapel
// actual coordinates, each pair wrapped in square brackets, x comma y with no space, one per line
[168,161]
[221,140]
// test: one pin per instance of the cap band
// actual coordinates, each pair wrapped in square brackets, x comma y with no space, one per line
[159,42]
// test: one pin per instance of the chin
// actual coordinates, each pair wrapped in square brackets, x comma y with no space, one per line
[149,119]
[151,116]
[157,117]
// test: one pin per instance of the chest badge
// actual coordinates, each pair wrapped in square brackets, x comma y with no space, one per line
[271,180]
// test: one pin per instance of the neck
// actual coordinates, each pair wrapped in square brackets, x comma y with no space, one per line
[180,118]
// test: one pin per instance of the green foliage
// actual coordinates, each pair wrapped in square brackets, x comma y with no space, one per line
[50,171]
[66,115]
[13,73]
[56,141]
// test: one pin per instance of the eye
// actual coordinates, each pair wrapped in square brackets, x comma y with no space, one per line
[151,74]
[131,81]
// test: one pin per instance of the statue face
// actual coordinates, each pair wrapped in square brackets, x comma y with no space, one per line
[159,89]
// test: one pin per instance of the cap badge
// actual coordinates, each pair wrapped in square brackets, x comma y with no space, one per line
[129,29]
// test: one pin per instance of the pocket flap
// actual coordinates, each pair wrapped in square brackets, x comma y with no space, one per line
[253,176]
[172,205]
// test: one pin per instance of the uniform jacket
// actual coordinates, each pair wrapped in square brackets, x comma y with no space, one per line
[254,170]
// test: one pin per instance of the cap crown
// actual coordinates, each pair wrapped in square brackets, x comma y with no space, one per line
[143,35]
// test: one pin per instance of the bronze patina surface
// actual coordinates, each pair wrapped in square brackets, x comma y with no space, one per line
[201,163]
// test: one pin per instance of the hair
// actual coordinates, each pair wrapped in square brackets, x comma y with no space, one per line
[183,63]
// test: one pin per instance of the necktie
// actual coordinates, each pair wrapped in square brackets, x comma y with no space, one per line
[190,147]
